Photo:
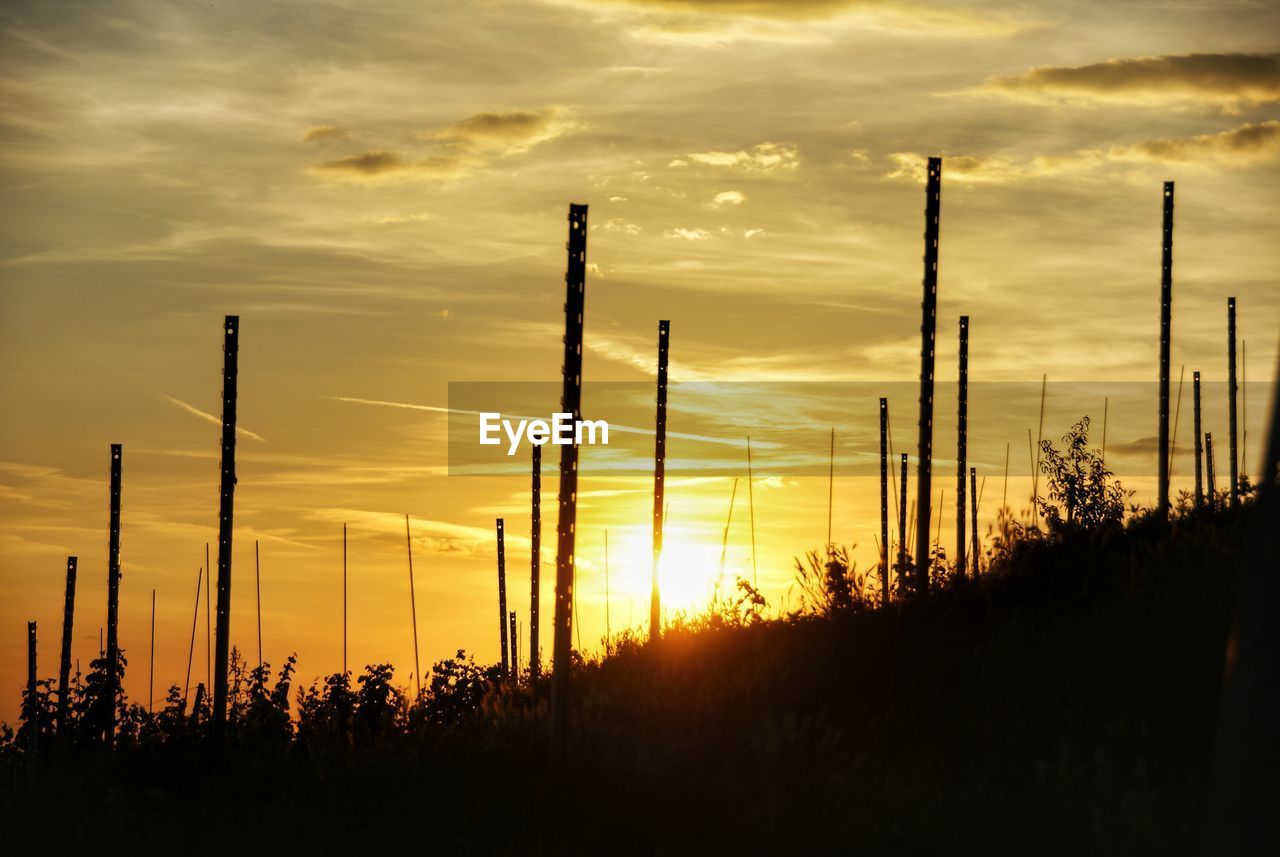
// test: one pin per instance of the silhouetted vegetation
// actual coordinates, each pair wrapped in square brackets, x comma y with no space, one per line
[1065,699]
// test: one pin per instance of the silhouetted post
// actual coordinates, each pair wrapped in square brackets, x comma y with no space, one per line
[515,658]
[928,334]
[962,428]
[831,490]
[1232,393]
[257,585]
[535,563]
[566,525]
[884,501]
[1166,313]
[1195,396]
[659,477]
[751,509]
[902,526]
[191,652]
[208,621]
[33,703]
[973,507]
[151,672]
[413,607]
[64,661]
[1208,466]
[502,599]
[113,600]
[226,508]
[344,599]
[608,624]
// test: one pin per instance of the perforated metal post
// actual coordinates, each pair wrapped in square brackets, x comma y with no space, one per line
[659,477]
[33,702]
[973,507]
[566,525]
[1166,314]
[884,501]
[962,429]
[902,527]
[928,335]
[515,657]
[502,599]
[64,661]
[1195,396]
[1208,467]
[535,562]
[1232,409]
[113,600]
[226,509]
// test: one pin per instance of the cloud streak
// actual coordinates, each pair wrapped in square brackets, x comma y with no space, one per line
[1223,79]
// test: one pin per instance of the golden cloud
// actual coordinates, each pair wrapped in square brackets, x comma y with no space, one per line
[458,149]
[763,157]
[1226,79]
[322,133]
[1247,144]
[751,8]
[517,131]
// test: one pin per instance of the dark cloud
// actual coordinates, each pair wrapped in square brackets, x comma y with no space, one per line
[753,8]
[380,165]
[322,133]
[510,132]
[1246,144]
[1226,78]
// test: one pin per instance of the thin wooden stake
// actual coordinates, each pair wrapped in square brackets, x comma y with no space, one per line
[191,651]
[831,487]
[1177,414]
[724,542]
[973,510]
[64,662]
[1106,401]
[413,607]
[962,441]
[608,628]
[903,581]
[1208,462]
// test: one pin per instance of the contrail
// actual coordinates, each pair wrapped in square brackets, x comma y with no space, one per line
[210,418]
[725,441]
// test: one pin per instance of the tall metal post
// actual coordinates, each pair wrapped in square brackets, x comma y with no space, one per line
[113,601]
[226,508]
[515,657]
[962,436]
[535,563]
[973,507]
[902,527]
[1208,468]
[566,524]
[659,477]
[1195,395]
[884,501]
[64,661]
[502,599]
[33,701]
[1232,394]
[1166,316]
[928,335]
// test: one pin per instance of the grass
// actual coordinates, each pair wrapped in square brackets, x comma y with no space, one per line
[1065,705]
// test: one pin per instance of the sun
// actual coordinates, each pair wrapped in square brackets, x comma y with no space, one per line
[687,571]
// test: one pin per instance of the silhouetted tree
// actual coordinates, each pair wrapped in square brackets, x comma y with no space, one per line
[1079,480]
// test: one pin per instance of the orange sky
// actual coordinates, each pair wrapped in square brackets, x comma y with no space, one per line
[380,194]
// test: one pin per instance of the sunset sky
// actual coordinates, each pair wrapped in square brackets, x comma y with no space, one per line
[379,191]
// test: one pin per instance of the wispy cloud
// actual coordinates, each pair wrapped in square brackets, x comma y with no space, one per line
[763,157]
[1222,79]
[210,418]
